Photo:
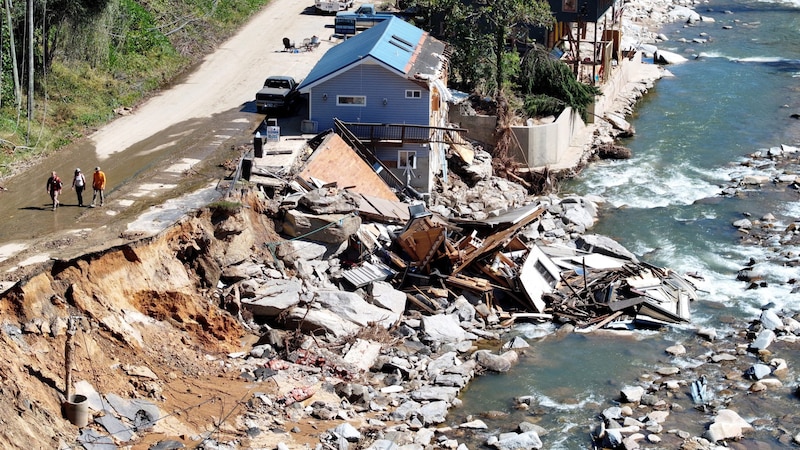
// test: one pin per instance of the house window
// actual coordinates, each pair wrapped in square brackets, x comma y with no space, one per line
[406,159]
[413,94]
[351,100]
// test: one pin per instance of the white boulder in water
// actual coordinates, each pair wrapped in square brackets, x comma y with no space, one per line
[666,57]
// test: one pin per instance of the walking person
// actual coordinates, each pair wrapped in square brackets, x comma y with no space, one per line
[53,188]
[79,183]
[99,185]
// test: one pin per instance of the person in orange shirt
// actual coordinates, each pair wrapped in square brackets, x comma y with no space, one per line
[99,185]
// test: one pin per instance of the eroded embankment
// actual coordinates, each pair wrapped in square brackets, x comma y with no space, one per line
[142,305]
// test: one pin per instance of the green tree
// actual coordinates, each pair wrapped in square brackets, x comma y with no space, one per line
[548,85]
[502,16]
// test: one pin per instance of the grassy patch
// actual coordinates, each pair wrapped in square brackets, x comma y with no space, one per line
[120,58]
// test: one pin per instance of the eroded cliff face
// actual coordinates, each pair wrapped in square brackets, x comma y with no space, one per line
[150,303]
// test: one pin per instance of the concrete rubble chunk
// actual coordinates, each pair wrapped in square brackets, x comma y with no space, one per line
[363,354]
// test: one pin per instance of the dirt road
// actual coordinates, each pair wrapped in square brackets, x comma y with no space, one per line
[169,146]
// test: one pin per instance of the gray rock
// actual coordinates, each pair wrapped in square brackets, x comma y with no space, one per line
[354,308]
[578,215]
[676,350]
[758,371]
[348,432]
[166,445]
[516,343]
[441,364]
[474,425]
[433,412]
[613,413]
[632,394]
[383,444]
[490,361]
[707,333]
[404,411]
[435,393]
[316,319]
[273,298]
[763,340]
[464,309]
[363,354]
[667,57]
[727,425]
[296,250]
[771,320]
[387,297]
[443,328]
[722,357]
[115,427]
[517,441]
[454,380]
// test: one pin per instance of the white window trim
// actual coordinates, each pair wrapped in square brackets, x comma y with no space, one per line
[413,93]
[339,103]
[408,154]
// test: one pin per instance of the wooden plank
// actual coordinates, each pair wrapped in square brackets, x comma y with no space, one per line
[497,239]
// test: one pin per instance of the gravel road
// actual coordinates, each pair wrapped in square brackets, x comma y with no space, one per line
[149,155]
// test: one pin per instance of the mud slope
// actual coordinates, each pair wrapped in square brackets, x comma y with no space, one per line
[151,304]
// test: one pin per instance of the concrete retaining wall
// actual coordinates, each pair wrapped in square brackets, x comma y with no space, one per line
[558,143]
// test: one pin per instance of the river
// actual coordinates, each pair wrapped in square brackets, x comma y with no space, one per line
[734,97]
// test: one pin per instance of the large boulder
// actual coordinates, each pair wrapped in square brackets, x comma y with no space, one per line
[443,328]
[386,296]
[271,299]
[665,57]
[330,228]
[352,307]
[516,441]
[727,425]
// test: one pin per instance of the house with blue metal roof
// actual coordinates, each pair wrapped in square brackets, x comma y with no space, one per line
[388,86]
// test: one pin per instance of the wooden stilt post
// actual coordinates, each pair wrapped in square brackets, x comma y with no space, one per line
[71,329]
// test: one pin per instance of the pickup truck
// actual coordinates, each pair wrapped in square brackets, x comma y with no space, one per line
[363,17]
[279,92]
[332,6]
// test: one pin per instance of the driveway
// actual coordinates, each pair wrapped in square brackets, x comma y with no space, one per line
[166,157]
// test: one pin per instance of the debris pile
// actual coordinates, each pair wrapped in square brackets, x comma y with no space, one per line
[524,257]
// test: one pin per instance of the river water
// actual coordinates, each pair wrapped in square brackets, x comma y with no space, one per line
[733,97]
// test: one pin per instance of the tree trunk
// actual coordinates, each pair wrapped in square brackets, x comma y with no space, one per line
[499,44]
[14,67]
[29,14]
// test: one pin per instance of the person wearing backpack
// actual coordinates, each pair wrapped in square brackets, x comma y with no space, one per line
[79,183]
[54,186]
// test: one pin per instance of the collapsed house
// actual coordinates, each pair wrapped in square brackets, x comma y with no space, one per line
[502,260]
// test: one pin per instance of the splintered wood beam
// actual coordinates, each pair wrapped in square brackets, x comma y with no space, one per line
[497,239]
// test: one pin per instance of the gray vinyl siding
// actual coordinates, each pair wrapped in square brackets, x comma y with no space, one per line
[422,175]
[376,83]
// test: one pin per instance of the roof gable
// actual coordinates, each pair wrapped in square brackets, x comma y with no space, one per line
[392,43]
